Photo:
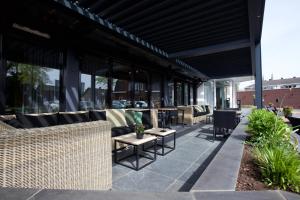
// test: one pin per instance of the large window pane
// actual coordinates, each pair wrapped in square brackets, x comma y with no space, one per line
[186,94]
[100,92]
[121,86]
[170,92]
[141,89]
[35,89]
[156,95]
[179,88]
[86,101]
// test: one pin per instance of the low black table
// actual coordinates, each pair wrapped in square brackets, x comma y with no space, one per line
[130,139]
[162,134]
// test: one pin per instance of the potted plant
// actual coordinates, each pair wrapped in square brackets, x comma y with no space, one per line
[139,129]
[287,111]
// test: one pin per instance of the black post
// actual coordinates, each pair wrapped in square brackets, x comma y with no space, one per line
[175,93]
[189,94]
[258,77]
[132,85]
[2,77]
[162,91]
[109,84]
[93,87]
[149,89]
[195,93]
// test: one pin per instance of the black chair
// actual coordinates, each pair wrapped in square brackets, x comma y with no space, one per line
[224,119]
[295,122]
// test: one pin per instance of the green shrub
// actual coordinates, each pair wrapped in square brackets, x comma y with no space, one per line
[280,167]
[265,127]
[274,150]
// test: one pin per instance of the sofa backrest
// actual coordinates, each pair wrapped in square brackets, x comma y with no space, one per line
[116,117]
[225,119]
[73,117]
[37,120]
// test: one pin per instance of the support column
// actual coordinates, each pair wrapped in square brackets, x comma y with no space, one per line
[71,81]
[258,76]
[109,84]
[195,93]
[2,77]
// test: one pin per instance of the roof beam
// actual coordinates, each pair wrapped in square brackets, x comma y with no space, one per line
[211,49]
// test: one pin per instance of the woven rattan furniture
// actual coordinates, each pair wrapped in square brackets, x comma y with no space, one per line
[189,117]
[74,156]
[138,145]
[162,134]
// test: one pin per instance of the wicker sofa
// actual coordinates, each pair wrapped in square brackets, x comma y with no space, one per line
[192,115]
[72,156]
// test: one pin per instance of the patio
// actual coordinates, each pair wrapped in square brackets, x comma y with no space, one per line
[176,171]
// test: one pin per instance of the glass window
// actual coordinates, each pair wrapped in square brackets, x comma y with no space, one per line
[170,92]
[100,91]
[121,86]
[141,89]
[35,89]
[86,100]
[179,87]
[186,94]
[156,95]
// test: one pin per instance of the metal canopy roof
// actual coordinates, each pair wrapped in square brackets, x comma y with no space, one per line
[213,36]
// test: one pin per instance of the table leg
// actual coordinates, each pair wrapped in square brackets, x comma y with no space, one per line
[155,150]
[116,152]
[174,139]
[163,145]
[137,155]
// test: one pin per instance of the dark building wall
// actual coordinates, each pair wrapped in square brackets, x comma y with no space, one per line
[285,96]
[71,81]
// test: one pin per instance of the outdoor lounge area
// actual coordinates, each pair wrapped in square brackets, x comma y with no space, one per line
[105,99]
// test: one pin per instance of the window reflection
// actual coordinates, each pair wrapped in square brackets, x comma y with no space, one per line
[35,89]
[179,93]
[141,89]
[86,101]
[100,91]
[121,86]
[156,95]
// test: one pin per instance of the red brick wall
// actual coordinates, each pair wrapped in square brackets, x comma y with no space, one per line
[291,97]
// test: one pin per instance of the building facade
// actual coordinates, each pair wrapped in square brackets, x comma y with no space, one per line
[280,92]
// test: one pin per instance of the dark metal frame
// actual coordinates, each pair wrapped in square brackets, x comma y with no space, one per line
[163,145]
[136,153]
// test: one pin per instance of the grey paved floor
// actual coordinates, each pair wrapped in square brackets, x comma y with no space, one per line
[176,171]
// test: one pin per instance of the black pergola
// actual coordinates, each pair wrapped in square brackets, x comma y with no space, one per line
[199,39]
[219,38]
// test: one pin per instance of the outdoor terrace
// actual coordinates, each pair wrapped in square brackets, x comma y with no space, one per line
[176,171]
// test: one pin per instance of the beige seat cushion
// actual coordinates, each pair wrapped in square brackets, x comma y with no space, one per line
[116,117]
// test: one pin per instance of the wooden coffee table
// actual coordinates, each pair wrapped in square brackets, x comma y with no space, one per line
[162,134]
[130,139]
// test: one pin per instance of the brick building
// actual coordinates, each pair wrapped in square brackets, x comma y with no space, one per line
[281,91]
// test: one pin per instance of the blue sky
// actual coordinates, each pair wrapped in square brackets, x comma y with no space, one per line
[281,39]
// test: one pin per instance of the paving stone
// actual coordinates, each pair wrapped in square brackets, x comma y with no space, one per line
[233,195]
[290,195]
[222,172]
[143,180]
[169,167]
[16,193]
[179,186]
[96,195]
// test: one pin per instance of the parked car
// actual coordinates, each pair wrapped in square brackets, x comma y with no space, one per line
[86,105]
[118,104]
